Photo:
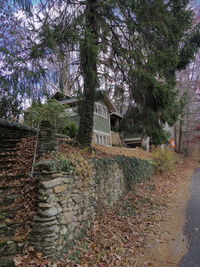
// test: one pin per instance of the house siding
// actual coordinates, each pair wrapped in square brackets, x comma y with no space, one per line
[101,124]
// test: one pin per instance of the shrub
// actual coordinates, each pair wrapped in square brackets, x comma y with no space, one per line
[74,163]
[71,129]
[63,164]
[51,111]
[164,160]
[160,137]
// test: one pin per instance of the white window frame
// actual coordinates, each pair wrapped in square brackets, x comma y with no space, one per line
[101,110]
[102,138]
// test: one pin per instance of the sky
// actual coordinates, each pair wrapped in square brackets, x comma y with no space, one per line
[35,2]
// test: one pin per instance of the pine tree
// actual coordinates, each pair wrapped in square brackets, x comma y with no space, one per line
[161,27]
[144,41]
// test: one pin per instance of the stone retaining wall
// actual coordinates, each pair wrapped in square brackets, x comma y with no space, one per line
[67,204]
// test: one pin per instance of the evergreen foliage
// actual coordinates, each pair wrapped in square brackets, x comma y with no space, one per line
[161,29]
[53,112]
[164,160]
[142,42]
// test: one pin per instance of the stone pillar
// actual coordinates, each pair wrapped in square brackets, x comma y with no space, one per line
[46,139]
[44,235]
[48,229]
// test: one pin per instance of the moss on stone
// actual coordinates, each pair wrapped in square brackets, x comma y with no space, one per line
[3,243]
[134,169]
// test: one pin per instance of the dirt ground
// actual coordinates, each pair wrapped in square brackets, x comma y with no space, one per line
[152,237]
[171,245]
[124,151]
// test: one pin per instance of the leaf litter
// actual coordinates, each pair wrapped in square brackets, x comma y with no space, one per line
[124,234]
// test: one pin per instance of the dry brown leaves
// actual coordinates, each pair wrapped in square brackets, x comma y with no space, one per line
[23,159]
[99,151]
[123,151]
[121,236]
[22,185]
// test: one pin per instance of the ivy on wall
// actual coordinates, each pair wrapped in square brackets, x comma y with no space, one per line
[134,169]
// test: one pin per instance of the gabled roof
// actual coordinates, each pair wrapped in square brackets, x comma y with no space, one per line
[72,100]
[60,95]
[116,114]
[109,104]
[69,101]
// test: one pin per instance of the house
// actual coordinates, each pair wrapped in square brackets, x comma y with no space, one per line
[106,117]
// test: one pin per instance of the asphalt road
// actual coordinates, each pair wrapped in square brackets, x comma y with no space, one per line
[192,228]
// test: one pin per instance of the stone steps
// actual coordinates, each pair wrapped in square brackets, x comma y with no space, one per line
[7,145]
[8,150]
[7,261]
[6,161]
[7,155]
[13,190]
[10,177]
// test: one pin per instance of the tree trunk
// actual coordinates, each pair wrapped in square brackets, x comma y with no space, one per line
[89,55]
[180,137]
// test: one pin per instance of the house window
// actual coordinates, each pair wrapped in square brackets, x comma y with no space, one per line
[102,139]
[101,110]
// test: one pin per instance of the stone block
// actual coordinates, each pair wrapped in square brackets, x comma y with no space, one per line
[66,179]
[67,208]
[70,237]
[56,175]
[76,207]
[46,205]
[49,212]
[59,248]
[7,261]
[44,219]
[79,185]
[51,183]
[77,198]
[63,231]
[64,200]
[67,217]
[79,218]
[46,230]
[60,188]
[50,239]
[54,222]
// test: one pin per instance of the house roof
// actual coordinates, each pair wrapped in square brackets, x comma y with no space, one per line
[109,104]
[60,95]
[69,101]
[116,114]
[72,100]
